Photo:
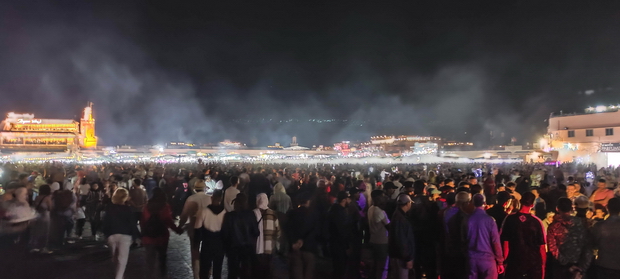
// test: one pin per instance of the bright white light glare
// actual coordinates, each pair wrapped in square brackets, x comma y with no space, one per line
[601,108]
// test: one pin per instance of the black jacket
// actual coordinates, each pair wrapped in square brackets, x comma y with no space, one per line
[303,224]
[240,230]
[400,238]
[119,219]
[339,226]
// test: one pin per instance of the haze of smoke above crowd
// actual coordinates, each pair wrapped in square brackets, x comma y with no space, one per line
[53,64]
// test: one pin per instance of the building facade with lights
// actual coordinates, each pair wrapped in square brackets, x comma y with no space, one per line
[592,137]
[24,132]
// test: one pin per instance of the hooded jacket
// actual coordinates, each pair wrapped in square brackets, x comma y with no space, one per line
[280,201]
[569,242]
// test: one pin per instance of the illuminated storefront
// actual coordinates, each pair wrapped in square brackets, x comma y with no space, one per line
[24,132]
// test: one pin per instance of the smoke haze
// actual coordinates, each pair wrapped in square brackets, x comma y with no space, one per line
[261,75]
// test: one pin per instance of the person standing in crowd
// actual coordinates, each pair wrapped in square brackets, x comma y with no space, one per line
[602,194]
[194,205]
[119,228]
[454,258]
[378,225]
[80,221]
[423,215]
[355,213]
[231,193]
[209,237]
[84,188]
[568,241]
[156,219]
[137,199]
[40,230]
[65,205]
[606,239]
[390,205]
[572,192]
[240,233]
[149,184]
[599,213]
[181,193]
[93,208]
[302,232]
[548,220]
[339,227]
[401,240]
[267,241]
[280,201]
[511,187]
[524,242]
[498,211]
[486,259]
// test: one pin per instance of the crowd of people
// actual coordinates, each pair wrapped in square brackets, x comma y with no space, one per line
[401,221]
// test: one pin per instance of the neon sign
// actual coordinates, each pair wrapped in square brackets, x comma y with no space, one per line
[29,121]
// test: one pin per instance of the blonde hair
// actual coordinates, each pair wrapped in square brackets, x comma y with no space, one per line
[120,196]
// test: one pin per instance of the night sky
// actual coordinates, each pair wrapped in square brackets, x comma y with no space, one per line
[264,71]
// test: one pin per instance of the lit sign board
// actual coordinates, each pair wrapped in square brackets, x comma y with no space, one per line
[610,147]
[29,121]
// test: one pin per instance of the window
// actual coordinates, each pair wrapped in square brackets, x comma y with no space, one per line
[589,133]
[609,131]
[571,134]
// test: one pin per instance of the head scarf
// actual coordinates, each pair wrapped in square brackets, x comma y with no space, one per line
[262,201]
[279,188]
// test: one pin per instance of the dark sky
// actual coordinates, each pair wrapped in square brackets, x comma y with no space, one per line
[258,72]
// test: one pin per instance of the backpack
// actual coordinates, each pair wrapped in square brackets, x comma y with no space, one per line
[63,199]
[154,227]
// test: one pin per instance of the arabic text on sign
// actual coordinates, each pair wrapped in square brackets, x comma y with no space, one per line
[29,121]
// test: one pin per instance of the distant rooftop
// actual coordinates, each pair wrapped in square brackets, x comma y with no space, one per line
[589,110]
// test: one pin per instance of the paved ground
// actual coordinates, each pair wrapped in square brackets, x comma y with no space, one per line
[91,259]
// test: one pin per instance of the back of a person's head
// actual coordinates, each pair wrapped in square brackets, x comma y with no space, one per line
[45,190]
[451,198]
[376,193]
[462,197]
[503,197]
[476,189]
[613,206]
[120,196]
[565,205]
[23,176]
[380,201]
[527,199]
[511,184]
[478,200]
[463,189]
[418,187]
[217,194]
[234,180]
[240,202]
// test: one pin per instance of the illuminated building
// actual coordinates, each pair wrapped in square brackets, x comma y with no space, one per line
[591,137]
[276,146]
[230,145]
[24,132]
[401,144]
